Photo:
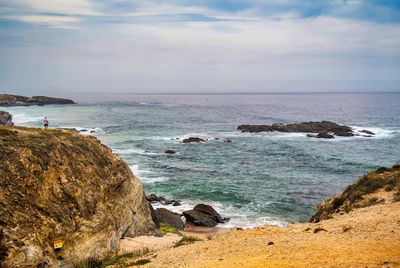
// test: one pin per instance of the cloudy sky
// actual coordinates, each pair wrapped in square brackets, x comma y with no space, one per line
[191,46]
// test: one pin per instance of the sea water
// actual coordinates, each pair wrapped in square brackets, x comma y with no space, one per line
[258,178]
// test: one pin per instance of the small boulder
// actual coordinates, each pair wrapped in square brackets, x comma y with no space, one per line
[199,218]
[169,152]
[227,141]
[193,140]
[168,217]
[204,215]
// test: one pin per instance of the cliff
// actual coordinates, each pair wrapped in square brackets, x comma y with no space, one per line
[5,119]
[59,188]
[16,100]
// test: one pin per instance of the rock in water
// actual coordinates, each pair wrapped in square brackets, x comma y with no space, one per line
[169,152]
[5,119]
[367,132]
[170,218]
[193,140]
[60,186]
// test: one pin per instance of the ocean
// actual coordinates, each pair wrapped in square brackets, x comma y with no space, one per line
[257,179]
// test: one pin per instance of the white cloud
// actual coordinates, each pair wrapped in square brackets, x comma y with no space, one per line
[61,22]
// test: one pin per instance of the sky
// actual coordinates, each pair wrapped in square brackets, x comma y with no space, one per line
[61,47]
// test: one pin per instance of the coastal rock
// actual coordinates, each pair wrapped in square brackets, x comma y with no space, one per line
[204,215]
[193,140]
[16,100]
[60,186]
[170,218]
[169,152]
[5,119]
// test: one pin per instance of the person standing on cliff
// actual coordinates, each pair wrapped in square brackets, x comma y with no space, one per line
[46,123]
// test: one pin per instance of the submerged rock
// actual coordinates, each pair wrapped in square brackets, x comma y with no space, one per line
[5,119]
[169,152]
[193,140]
[60,186]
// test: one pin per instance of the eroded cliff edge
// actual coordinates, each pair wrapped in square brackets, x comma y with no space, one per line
[57,185]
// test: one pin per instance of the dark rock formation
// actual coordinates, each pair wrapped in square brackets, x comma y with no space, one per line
[204,215]
[15,100]
[168,217]
[367,132]
[58,185]
[154,216]
[193,140]
[5,119]
[153,198]
[364,192]
[169,152]
[306,127]
[323,128]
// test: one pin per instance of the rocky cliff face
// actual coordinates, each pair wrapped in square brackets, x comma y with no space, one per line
[60,186]
[377,187]
[16,100]
[5,119]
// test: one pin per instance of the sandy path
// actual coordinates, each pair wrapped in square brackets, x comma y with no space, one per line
[367,237]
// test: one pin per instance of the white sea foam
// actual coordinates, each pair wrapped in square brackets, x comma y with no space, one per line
[145,175]
[379,132]
[24,119]
[135,151]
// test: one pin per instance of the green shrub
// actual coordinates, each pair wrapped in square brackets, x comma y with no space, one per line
[186,240]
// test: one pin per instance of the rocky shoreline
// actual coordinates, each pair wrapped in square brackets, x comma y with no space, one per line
[16,100]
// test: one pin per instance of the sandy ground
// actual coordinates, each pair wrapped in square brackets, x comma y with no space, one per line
[367,237]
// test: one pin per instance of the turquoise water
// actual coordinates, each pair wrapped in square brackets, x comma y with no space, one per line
[264,178]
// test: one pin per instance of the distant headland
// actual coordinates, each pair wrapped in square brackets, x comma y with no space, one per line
[16,100]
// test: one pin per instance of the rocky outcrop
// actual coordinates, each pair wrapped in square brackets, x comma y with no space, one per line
[377,187]
[170,218]
[325,129]
[5,119]
[153,198]
[204,215]
[57,186]
[193,140]
[16,100]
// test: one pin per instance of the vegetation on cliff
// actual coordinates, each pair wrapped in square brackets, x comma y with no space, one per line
[380,186]
[60,186]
